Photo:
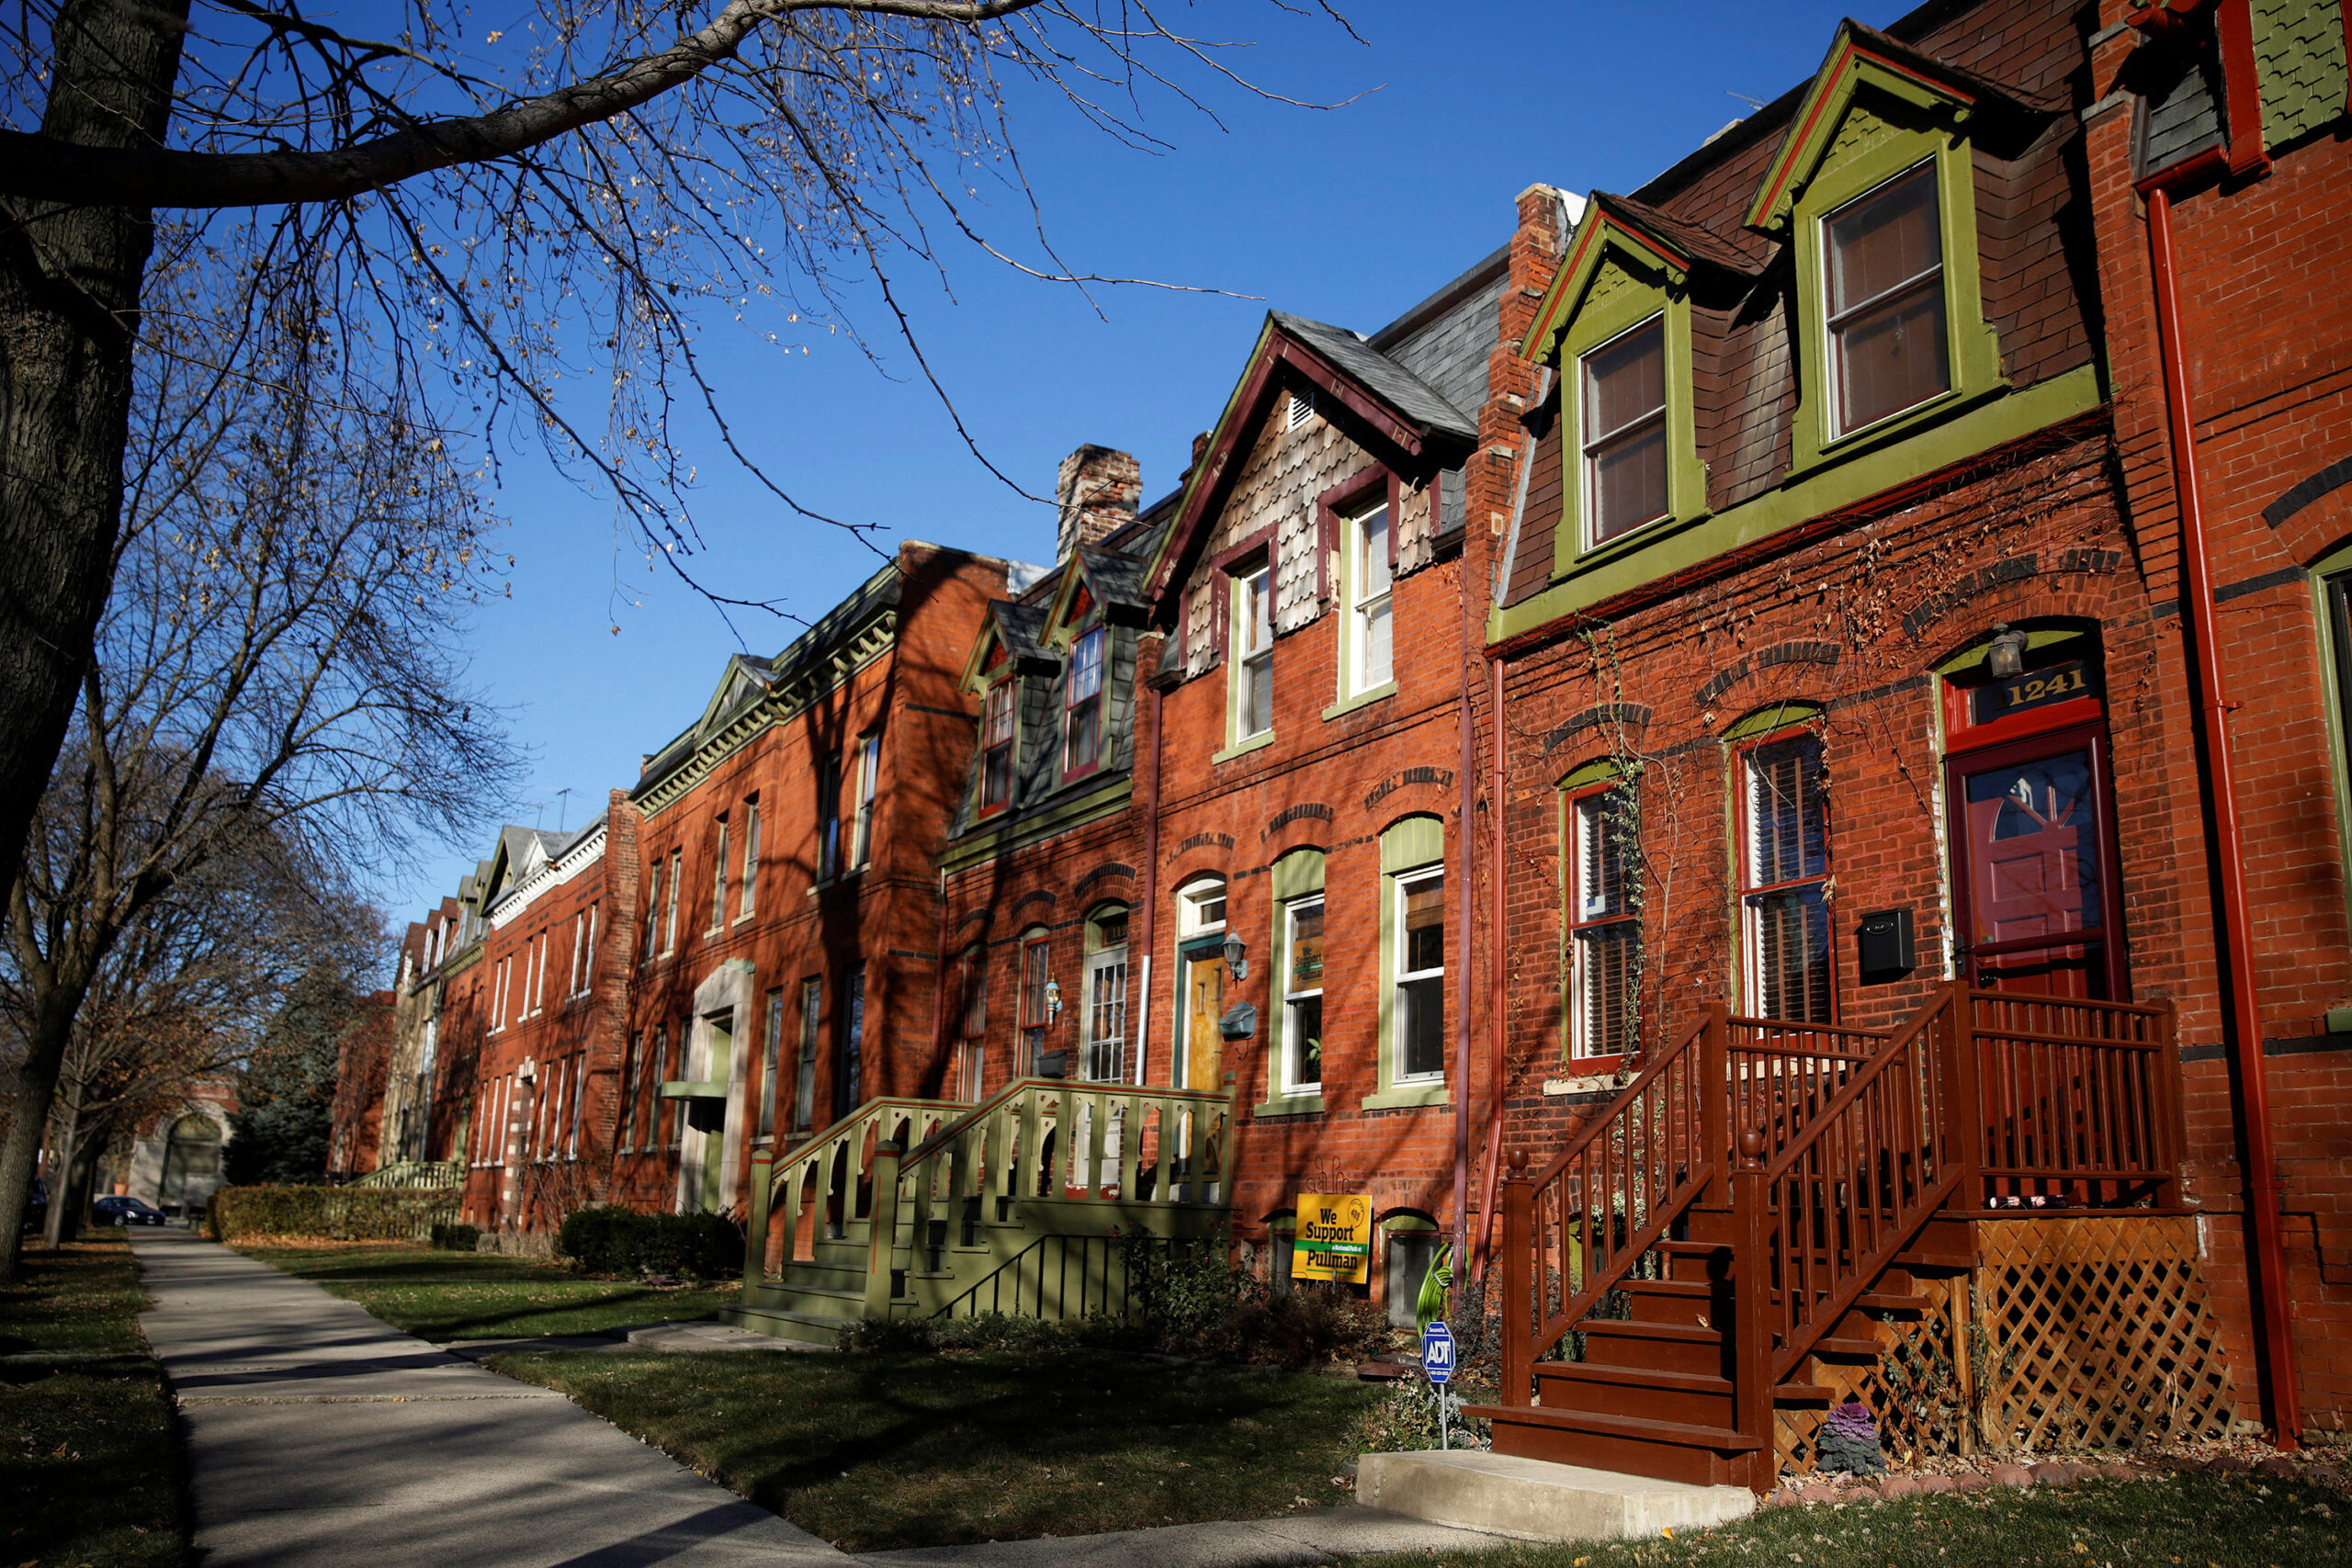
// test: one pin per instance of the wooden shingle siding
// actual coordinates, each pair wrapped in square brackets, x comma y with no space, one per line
[1533,568]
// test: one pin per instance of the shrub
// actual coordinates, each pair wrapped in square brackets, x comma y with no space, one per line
[1300,1327]
[332,1214]
[608,1238]
[456,1238]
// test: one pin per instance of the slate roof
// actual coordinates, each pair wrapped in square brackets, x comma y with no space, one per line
[1021,627]
[1116,576]
[1353,354]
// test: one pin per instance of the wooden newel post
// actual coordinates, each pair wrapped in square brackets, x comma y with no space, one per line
[1523,1281]
[1964,1092]
[756,1237]
[1752,1379]
[882,1228]
[1716,1091]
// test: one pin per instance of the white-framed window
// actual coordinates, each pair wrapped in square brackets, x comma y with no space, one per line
[804,1075]
[1883,271]
[771,1053]
[1082,716]
[1302,992]
[1623,393]
[1418,1017]
[1201,909]
[1253,645]
[1036,974]
[972,989]
[869,787]
[1784,878]
[498,998]
[719,878]
[1106,998]
[653,911]
[750,859]
[579,1093]
[996,746]
[829,817]
[669,906]
[1604,923]
[632,1071]
[1371,658]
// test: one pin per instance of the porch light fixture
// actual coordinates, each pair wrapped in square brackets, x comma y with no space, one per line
[1053,1000]
[2005,659]
[1237,957]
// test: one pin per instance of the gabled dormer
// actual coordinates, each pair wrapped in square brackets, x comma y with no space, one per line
[1005,671]
[1091,621]
[1320,486]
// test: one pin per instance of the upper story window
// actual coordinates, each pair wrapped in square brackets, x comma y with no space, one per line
[869,788]
[1082,725]
[1883,256]
[1624,402]
[1604,920]
[829,817]
[653,911]
[670,904]
[996,744]
[1371,578]
[750,858]
[1302,988]
[1201,909]
[1253,642]
[719,878]
[1784,876]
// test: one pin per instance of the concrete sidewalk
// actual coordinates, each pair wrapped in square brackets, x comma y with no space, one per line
[317,1436]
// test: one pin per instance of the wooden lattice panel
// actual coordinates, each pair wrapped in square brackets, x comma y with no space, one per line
[2093,1332]
[2081,1331]
[1915,1387]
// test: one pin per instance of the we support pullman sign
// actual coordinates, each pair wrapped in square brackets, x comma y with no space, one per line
[1334,1237]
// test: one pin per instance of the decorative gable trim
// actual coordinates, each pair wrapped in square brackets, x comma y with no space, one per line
[1605,227]
[1279,363]
[1853,64]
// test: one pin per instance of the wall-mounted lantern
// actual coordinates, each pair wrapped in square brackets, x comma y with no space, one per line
[2005,659]
[1053,1000]
[1237,957]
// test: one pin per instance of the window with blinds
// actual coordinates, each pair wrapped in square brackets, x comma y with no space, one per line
[1885,275]
[1785,873]
[1605,924]
[1420,1018]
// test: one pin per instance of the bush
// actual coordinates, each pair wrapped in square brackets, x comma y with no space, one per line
[332,1214]
[608,1238]
[456,1238]
[1302,1327]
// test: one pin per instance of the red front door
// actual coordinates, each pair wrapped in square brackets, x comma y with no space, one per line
[2034,853]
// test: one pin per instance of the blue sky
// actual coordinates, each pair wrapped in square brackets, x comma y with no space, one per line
[1350,215]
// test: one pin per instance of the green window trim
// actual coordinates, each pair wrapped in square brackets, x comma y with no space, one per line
[1902,138]
[2336,666]
[1409,845]
[1773,717]
[1969,658]
[1617,288]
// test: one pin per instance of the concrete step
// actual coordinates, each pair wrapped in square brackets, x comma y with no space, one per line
[821,1332]
[1532,1500]
[838,1306]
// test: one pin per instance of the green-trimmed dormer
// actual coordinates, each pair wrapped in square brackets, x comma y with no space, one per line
[1871,280]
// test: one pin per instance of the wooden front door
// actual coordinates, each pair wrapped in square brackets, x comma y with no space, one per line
[2033,850]
[1204,1005]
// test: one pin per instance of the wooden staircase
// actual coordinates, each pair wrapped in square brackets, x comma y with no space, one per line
[1711,1247]
[917,1208]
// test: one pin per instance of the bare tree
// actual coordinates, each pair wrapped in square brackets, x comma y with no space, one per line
[489,211]
[182,994]
[273,674]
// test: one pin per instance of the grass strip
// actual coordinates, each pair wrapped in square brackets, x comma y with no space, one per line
[91,1470]
[874,1451]
[478,1295]
[2198,1521]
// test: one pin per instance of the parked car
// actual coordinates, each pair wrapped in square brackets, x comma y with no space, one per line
[124,1212]
[36,1207]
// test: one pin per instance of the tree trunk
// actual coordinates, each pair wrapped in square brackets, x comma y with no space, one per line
[45,1041]
[65,1141]
[69,318]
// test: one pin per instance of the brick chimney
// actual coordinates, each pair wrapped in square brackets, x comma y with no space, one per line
[1099,492]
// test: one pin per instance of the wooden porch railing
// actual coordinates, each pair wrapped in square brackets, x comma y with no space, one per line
[1839,1146]
[832,1172]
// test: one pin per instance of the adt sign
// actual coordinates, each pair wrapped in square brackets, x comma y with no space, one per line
[1437,1353]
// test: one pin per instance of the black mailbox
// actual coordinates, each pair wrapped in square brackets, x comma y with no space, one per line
[1053,1065]
[1883,946]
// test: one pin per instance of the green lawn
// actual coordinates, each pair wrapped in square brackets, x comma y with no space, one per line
[2196,1521]
[478,1295]
[90,1465]
[899,1451]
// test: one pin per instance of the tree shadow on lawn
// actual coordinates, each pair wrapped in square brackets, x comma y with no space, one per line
[874,1451]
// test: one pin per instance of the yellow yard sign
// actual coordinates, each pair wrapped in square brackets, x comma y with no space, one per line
[1334,1237]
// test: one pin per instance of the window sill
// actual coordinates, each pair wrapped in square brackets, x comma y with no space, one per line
[1892,427]
[1243,747]
[1379,693]
[1290,1105]
[838,878]
[1409,1094]
[744,918]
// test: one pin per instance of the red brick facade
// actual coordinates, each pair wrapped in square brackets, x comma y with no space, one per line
[1825,593]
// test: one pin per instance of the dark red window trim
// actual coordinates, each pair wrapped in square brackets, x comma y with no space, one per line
[1350,494]
[1102,701]
[1011,685]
